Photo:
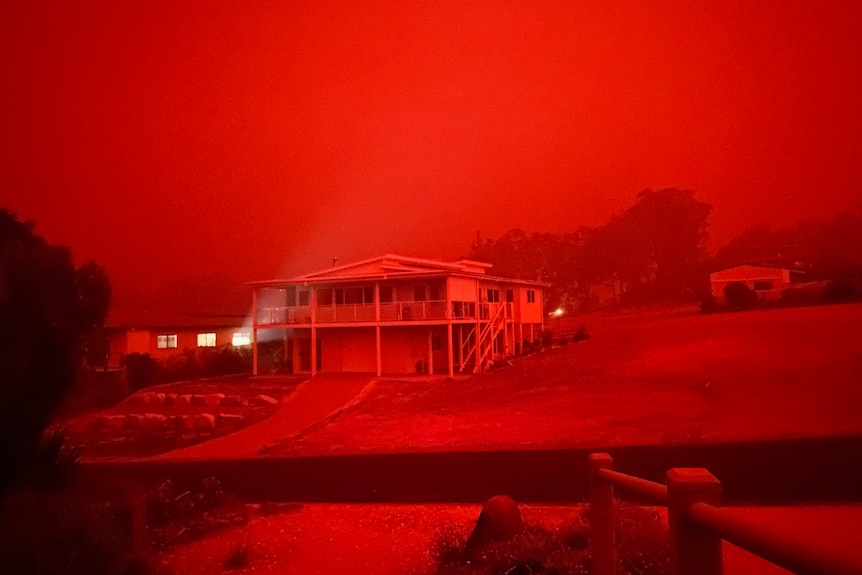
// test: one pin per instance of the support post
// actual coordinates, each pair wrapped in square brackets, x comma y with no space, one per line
[430,351]
[254,331]
[601,516]
[693,550]
[379,353]
[451,351]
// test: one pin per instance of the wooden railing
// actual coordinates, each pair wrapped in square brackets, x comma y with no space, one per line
[698,524]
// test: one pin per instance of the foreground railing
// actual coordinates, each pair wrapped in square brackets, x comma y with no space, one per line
[698,525]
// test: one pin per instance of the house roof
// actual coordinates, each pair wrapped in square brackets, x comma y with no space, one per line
[393,266]
[147,318]
[770,265]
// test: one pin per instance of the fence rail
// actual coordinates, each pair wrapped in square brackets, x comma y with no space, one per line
[698,524]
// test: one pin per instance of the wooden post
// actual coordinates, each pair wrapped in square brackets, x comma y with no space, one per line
[693,550]
[601,516]
[451,351]
[138,502]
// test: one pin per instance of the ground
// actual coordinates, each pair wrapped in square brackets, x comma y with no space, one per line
[98,441]
[640,379]
[643,379]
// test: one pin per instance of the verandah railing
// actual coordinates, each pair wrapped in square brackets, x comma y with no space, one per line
[698,524]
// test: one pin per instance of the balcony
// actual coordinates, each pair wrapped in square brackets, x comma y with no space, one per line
[389,312]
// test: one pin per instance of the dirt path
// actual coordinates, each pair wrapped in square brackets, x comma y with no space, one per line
[313,401]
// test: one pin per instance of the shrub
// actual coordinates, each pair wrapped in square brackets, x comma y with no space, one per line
[63,533]
[581,334]
[141,370]
[739,296]
[642,548]
[708,304]
[840,291]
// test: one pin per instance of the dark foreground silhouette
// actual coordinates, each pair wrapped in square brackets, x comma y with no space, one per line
[762,472]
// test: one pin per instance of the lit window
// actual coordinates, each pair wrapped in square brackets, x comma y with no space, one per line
[166,341]
[531,296]
[206,339]
[241,338]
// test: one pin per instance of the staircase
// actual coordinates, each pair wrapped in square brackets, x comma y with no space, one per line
[487,334]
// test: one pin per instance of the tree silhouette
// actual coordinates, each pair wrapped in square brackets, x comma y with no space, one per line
[46,305]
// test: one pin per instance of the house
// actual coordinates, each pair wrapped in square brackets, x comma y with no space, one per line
[395,315]
[163,334]
[767,281]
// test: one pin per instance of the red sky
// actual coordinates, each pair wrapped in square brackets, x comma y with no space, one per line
[173,140]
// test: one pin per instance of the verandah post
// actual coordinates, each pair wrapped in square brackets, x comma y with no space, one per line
[694,550]
[601,516]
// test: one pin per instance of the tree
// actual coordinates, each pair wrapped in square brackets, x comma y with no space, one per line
[47,306]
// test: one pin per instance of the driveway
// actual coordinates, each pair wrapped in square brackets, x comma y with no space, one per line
[313,401]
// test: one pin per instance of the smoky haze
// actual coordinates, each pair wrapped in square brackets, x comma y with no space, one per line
[182,145]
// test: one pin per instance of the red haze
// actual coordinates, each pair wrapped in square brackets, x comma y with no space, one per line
[172,139]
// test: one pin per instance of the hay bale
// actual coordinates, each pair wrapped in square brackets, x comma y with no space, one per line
[500,520]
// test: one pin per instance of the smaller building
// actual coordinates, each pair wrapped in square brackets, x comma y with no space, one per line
[163,334]
[765,280]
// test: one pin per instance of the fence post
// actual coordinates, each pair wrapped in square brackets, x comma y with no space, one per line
[694,550]
[601,516]
[139,517]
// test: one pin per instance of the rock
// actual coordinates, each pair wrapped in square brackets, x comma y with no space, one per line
[205,421]
[160,398]
[228,419]
[263,400]
[231,401]
[153,422]
[148,398]
[184,400]
[132,421]
[190,422]
[199,400]
[176,422]
[500,520]
[115,422]
[213,399]
[170,399]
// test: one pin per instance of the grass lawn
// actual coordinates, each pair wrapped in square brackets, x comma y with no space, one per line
[640,379]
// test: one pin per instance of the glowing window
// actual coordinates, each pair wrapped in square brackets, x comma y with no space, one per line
[241,338]
[206,339]
[531,296]
[166,341]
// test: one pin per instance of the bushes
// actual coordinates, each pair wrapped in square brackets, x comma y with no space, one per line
[142,370]
[642,548]
[739,296]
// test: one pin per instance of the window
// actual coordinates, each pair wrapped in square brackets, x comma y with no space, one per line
[510,296]
[324,296]
[493,295]
[206,339]
[531,296]
[358,295]
[303,297]
[386,294]
[762,286]
[166,341]
[290,296]
[241,338]
[436,342]
[420,292]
